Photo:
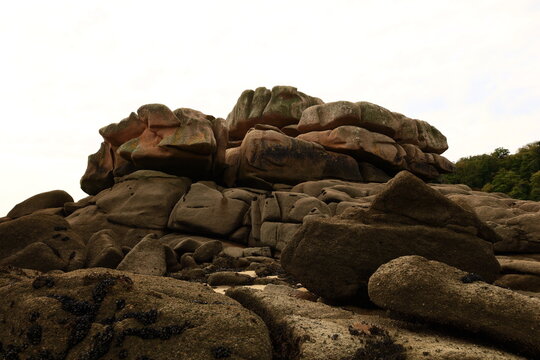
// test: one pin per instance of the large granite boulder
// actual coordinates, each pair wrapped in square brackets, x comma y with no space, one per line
[362,144]
[205,210]
[281,106]
[334,257]
[46,200]
[42,242]
[302,329]
[185,142]
[99,171]
[268,156]
[442,294]
[374,118]
[515,221]
[99,313]
[143,199]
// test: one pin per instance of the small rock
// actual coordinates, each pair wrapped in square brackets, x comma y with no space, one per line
[207,251]
[229,278]
[146,258]
[258,251]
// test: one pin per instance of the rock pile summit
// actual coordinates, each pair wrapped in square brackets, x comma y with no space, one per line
[270,136]
[294,229]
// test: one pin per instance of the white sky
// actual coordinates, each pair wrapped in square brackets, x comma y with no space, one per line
[67,68]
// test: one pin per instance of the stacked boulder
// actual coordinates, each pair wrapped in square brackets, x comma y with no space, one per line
[182,142]
[311,202]
[344,140]
[335,257]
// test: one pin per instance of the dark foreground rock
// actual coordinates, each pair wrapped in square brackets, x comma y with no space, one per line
[334,257]
[41,242]
[442,294]
[302,329]
[109,314]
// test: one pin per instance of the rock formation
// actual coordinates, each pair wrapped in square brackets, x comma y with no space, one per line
[267,135]
[304,199]
[449,296]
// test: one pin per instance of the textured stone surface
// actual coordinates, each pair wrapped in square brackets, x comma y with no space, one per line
[302,329]
[268,157]
[98,313]
[146,258]
[205,210]
[143,199]
[439,293]
[334,257]
[104,250]
[46,200]
[281,106]
[362,144]
[99,171]
[41,242]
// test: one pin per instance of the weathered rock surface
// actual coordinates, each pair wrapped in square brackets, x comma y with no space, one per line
[302,329]
[362,144]
[515,221]
[267,157]
[439,293]
[46,200]
[207,251]
[143,199]
[334,257]
[184,142]
[148,257]
[408,197]
[103,250]
[99,171]
[90,314]
[205,210]
[374,118]
[41,242]
[281,106]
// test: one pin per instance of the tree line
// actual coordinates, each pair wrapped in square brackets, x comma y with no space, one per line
[517,175]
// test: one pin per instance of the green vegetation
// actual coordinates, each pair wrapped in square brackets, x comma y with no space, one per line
[517,175]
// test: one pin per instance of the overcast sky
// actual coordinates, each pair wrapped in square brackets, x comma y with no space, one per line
[67,68]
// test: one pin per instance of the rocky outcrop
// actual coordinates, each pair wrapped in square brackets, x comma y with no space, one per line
[46,200]
[267,156]
[205,210]
[95,313]
[334,257]
[302,329]
[281,106]
[42,242]
[268,134]
[449,296]
[184,142]
[148,257]
[516,221]
[103,250]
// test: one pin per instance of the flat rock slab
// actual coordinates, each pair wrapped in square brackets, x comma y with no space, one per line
[509,265]
[303,329]
[442,294]
[109,314]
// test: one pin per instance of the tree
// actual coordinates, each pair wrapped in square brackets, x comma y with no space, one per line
[535,186]
[504,181]
[500,153]
[513,174]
